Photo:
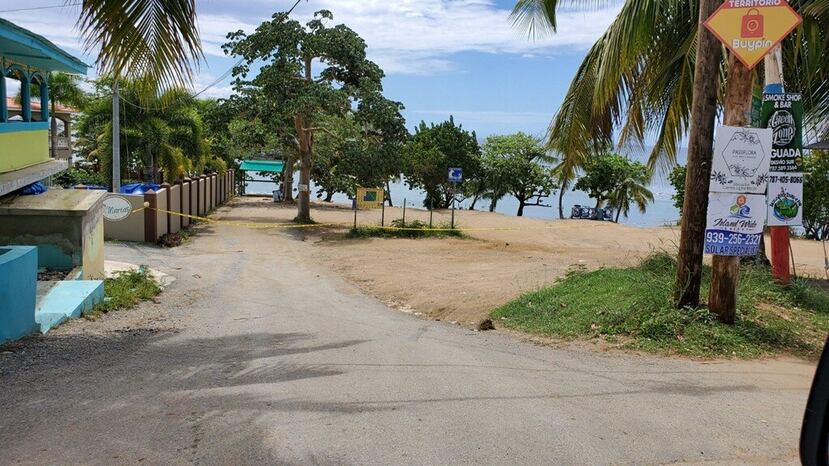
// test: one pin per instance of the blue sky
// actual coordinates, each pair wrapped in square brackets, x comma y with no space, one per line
[441,57]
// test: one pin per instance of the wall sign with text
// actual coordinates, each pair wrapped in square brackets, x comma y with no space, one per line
[735,224]
[785,199]
[741,160]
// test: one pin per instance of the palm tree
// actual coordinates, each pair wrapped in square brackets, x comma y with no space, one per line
[637,79]
[632,190]
[154,40]
[156,138]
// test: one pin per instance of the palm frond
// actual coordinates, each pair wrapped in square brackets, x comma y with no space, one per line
[157,40]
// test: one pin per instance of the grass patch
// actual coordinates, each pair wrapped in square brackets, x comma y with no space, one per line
[412,230]
[125,291]
[632,308]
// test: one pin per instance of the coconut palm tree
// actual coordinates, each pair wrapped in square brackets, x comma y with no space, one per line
[154,40]
[168,138]
[637,79]
[632,190]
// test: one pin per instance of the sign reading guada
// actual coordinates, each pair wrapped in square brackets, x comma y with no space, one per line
[752,28]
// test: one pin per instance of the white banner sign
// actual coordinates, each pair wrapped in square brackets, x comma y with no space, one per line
[116,208]
[741,160]
[785,199]
[735,224]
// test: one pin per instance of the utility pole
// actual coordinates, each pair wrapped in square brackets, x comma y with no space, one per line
[116,138]
[725,273]
[779,235]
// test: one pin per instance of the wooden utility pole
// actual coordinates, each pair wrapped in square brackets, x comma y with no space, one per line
[116,137]
[725,275]
[700,153]
[779,235]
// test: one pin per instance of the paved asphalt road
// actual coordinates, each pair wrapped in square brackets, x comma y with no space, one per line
[253,357]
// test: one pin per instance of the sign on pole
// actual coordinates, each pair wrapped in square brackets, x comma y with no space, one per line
[783,114]
[370,198]
[741,160]
[735,224]
[785,199]
[752,28]
[455,175]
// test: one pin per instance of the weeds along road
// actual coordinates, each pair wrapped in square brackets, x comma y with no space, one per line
[254,356]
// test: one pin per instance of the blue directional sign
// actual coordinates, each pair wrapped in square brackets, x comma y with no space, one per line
[455,175]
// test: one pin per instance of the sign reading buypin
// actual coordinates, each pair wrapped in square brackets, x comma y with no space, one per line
[735,224]
[785,199]
[752,28]
[741,160]
[783,114]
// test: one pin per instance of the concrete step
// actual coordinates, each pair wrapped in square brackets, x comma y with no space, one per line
[68,299]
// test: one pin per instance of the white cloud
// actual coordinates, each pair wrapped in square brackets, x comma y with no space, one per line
[404,36]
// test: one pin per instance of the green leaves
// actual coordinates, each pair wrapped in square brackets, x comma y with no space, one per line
[618,179]
[156,40]
[518,164]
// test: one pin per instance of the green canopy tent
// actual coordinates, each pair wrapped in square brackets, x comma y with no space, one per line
[258,166]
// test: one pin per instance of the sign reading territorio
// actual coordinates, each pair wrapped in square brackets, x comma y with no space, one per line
[752,28]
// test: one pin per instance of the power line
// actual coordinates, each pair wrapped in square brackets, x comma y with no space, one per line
[211,85]
[48,7]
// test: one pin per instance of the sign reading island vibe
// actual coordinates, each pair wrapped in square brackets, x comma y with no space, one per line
[741,160]
[752,28]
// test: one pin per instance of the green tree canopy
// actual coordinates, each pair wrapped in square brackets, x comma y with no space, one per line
[615,178]
[287,87]
[518,164]
[816,196]
[167,135]
[432,150]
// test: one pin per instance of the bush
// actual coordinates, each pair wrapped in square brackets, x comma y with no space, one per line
[75,176]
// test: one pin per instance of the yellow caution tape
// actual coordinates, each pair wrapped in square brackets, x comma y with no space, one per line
[321,225]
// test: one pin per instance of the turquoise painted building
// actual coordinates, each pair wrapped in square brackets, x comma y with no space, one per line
[24,141]
[58,230]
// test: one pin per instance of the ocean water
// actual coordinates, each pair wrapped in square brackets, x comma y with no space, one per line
[660,212]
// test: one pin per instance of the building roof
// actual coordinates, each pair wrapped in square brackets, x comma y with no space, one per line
[13,106]
[23,46]
[266,166]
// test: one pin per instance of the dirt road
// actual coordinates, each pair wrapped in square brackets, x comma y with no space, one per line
[258,355]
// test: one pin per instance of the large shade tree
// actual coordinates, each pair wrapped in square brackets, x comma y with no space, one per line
[286,54]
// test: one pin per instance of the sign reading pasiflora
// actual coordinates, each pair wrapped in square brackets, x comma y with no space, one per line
[117,208]
[741,160]
[735,224]
[785,199]
[783,114]
[752,28]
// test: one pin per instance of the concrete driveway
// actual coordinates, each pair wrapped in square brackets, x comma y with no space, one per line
[254,356]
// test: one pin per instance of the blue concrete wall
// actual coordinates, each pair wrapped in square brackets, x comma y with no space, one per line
[18,292]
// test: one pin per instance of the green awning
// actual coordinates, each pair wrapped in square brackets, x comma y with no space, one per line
[267,166]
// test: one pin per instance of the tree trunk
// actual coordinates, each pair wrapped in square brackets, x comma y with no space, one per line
[561,198]
[304,196]
[54,135]
[725,272]
[329,196]
[149,165]
[618,214]
[700,154]
[474,201]
[388,193]
[288,179]
[306,142]
[493,205]
[521,208]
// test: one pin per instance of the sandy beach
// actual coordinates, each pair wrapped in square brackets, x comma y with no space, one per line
[462,280]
